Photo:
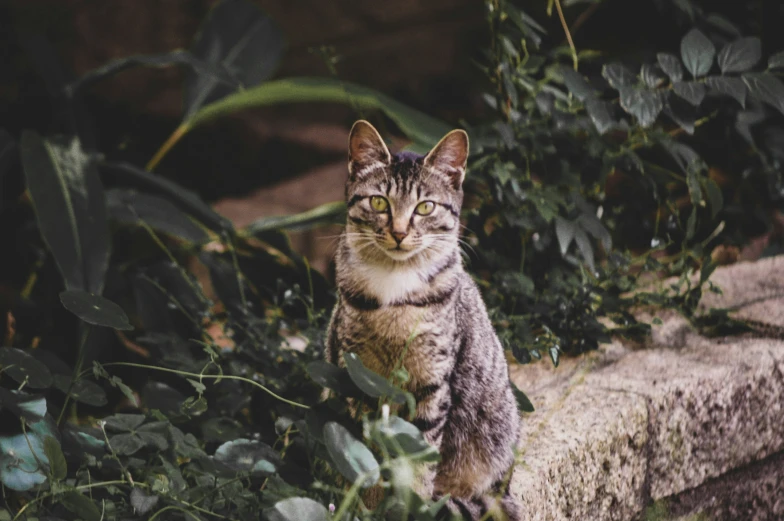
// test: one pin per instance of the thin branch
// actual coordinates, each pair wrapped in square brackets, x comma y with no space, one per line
[568,34]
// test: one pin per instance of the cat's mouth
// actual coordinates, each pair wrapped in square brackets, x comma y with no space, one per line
[399,254]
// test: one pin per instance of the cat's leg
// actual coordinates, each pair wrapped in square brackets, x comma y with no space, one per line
[433,403]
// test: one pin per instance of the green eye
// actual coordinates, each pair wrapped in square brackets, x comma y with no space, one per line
[425,208]
[379,204]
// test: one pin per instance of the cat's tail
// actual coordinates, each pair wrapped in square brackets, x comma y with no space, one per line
[498,507]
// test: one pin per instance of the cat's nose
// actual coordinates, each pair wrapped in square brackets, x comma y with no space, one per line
[398,236]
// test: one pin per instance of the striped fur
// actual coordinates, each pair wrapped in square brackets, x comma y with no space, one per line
[412,303]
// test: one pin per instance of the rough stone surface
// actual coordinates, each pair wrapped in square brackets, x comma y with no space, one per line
[627,425]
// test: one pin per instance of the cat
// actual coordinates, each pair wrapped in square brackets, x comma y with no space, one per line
[403,295]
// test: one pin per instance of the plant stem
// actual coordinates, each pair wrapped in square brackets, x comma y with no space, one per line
[568,34]
[167,145]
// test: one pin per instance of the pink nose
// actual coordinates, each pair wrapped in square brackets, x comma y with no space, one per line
[399,236]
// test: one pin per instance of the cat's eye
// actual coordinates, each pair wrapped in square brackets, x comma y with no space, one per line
[379,204]
[425,208]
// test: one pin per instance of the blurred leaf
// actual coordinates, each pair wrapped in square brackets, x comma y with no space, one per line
[691,224]
[369,382]
[671,65]
[601,113]
[297,509]
[416,125]
[20,455]
[328,213]
[767,88]
[555,355]
[564,231]
[81,506]
[576,84]
[22,367]
[95,309]
[244,455]
[332,377]
[83,391]
[142,502]
[351,457]
[681,112]
[776,61]
[643,104]
[179,57]
[523,402]
[715,197]
[729,86]
[697,52]
[740,55]
[402,438]
[28,407]
[236,36]
[691,91]
[160,214]
[618,75]
[57,464]
[652,75]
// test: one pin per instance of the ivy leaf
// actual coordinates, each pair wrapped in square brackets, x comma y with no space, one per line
[728,85]
[671,65]
[776,61]
[691,91]
[652,75]
[95,309]
[576,84]
[564,231]
[643,104]
[697,52]
[767,88]
[740,55]
[142,502]
[297,509]
[618,75]
[54,454]
[22,367]
[601,113]
[351,457]
[369,382]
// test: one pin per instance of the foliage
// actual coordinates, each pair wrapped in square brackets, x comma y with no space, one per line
[160,364]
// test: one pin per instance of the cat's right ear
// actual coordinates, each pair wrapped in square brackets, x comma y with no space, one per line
[366,150]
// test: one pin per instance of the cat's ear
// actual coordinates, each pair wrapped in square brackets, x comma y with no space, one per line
[449,156]
[366,150]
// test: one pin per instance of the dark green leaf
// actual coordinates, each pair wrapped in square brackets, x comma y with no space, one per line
[740,55]
[236,36]
[128,206]
[22,367]
[564,231]
[681,112]
[729,86]
[697,53]
[20,404]
[643,104]
[57,464]
[585,248]
[555,355]
[523,402]
[652,75]
[126,444]
[715,197]
[142,502]
[402,438]
[95,309]
[618,75]
[576,84]
[351,457]
[332,377]
[297,509]
[328,213]
[767,88]
[244,455]
[124,422]
[83,391]
[691,91]
[671,65]
[20,455]
[601,113]
[369,382]
[80,505]
[776,61]
[691,224]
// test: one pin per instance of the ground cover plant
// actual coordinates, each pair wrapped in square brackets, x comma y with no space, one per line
[159,363]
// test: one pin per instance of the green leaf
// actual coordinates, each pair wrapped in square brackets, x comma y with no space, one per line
[332,377]
[585,248]
[402,438]
[523,402]
[126,444]
[80,505]
[83,391]
[142,502]
[416,125]
[671,65]
[652,75]
[297,509]
[369,382]
[740,55]
[95,309]
[729,86]
[564,231]
[576,84]
[22,367]
[643,104]
[691,91]
[767,88]
[124,422]
[130,207]
[243,455]
[715,197]
[235,36]
[697,53]
[776,61]
[69,208]
[681,112]
[618,75]
[20,455]
[351,457]
[691,224]
[601,113]
[328,213]
[555,355]
[57,464]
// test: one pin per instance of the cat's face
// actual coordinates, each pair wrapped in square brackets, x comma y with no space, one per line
[403,208]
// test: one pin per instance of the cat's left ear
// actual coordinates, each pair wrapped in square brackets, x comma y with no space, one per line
[449,156]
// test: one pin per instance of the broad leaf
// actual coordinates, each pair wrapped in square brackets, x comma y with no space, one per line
[728,85]
[142,502]
[715,197]
[328,213]
[691,91]
[252,456]
[618,75]
[23,368]
[576,84]
[402,438]
[369,382]
[671,65]
[776,61]
[652,75]
[643,104]
[83,391]
[57,464]
[697,53]
[740,55]
[297,509]
[767,88]
[564,231]
[523,402]
[95,309]
[351,457]
[332,377]
[160,214]
[601,113]
[681,112]
[236,36]
[22,456]
[80,505]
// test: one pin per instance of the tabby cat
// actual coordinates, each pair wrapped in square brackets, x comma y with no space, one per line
[399,272]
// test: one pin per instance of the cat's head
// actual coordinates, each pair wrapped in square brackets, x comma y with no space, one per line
[403,207]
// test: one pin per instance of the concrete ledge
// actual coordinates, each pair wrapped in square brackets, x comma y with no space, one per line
[624,426]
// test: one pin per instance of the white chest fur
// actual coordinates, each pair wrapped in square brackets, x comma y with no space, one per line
[388,284]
